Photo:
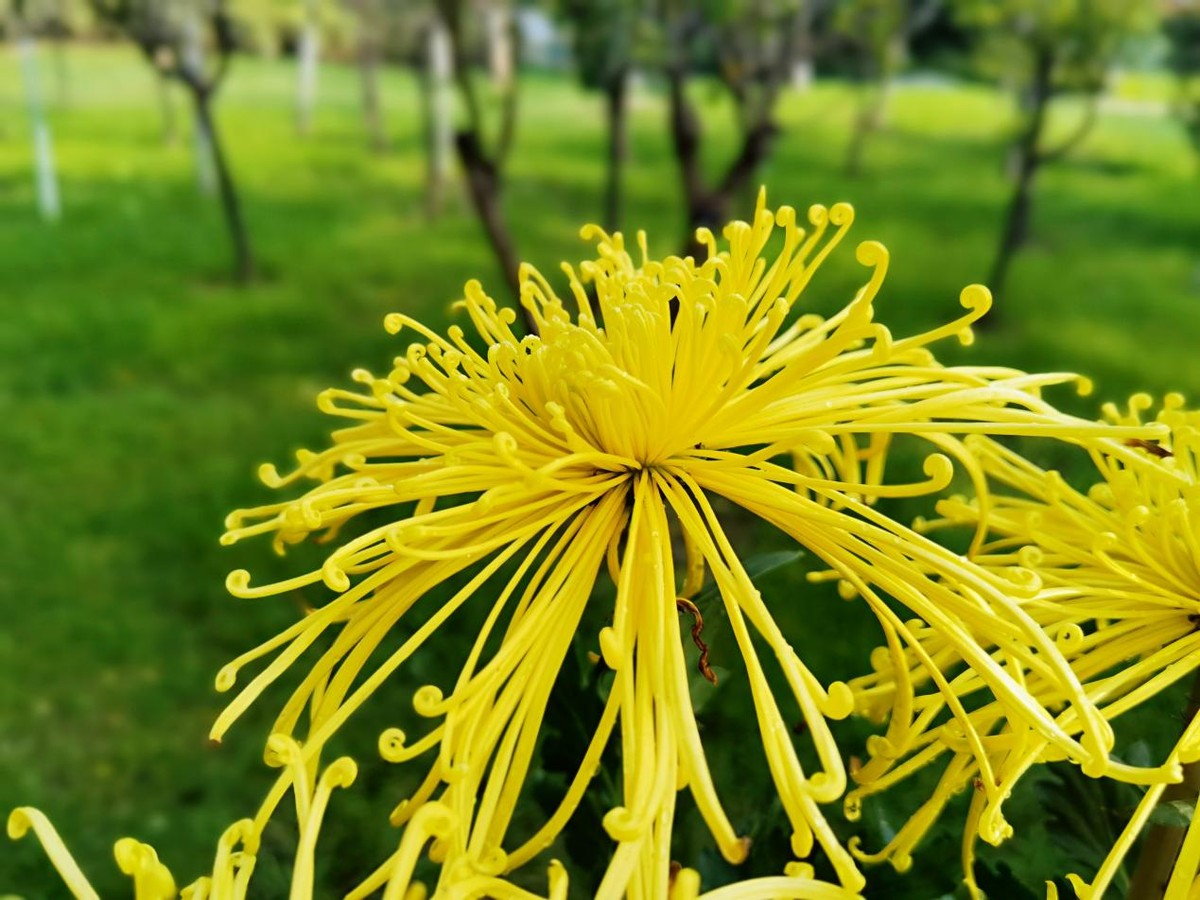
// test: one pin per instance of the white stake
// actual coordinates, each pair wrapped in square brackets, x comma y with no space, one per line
[308,54]
[46,178]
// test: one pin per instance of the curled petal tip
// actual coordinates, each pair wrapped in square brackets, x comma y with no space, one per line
[870,253]
[19,822]
[226,678]
[427,700]
[333,576]
[237,582]
[622,825]
[976,298]
[341,772]
[840,701]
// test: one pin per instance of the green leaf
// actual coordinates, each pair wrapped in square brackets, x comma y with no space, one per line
[1173,813]
[756,566]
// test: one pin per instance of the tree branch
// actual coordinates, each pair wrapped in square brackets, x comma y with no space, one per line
[685,135]
[449,12]
[756,147]
[1081,131]
[508,109]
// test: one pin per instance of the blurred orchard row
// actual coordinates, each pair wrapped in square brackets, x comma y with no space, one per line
[235,193]
[467,54]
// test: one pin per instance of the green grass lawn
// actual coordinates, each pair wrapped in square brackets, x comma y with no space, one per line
[139,389]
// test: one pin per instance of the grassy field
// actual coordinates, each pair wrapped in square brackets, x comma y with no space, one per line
[139,389]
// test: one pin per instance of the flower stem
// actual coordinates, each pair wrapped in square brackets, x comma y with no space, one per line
[1161,847]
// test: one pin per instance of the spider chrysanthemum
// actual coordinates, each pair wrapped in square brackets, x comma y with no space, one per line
[589,445]
[1117,573]
[522,468]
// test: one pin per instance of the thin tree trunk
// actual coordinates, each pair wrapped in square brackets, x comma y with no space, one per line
[710,207]
[166,105]
[685,141]
[439,129]
[878,76]
[45,171]
[617,97]
[243,267]
[1028,160]
[206,168]
[736,184]
[484,168]
[368,67]
[308,52]
[499,43]
[483,185]
[193,61]
[1016,227]
[865,124]
[800,66]
[895,59]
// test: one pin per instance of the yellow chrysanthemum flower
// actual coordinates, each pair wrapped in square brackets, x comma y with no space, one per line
[593,442]
[1116,574]
[538,461]
[237,849]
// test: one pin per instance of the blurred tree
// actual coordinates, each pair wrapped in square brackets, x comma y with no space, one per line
[751,44]
[371,26]
[172,35]
[879,32]
[311,29]
[308,56]
[417,33]
[436,68]
[166,106]
[500,39]
[809,37]
[1044,49]
[56,21]
[1181,25]
[482,157]
[603,40]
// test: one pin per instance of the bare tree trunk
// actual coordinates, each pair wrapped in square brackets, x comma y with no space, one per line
[483,183]
[308,53]
[484,168]
[193,61]
[368,67]
[879,78]
[439,129]
[206,169]
[1016,226]
[166,106]
[499,43]
[243,267]
[617,100]
[894,63]
[800,72]
[710,207]
[866,122]
[45,171]
[685,141]
[1028,159]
